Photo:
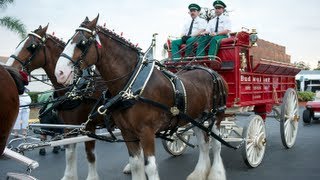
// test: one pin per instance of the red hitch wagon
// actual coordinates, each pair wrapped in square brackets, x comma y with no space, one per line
[258,82]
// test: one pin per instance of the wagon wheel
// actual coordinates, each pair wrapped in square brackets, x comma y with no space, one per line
[255,144]
[177,146]
[289,118]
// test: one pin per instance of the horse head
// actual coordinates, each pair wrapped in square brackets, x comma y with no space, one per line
[29,50]
[80,52]
[35,50]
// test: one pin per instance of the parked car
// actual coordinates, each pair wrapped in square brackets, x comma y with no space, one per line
[312,110]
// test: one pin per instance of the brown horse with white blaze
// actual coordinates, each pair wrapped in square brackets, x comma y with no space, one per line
[117,59]
[41,50]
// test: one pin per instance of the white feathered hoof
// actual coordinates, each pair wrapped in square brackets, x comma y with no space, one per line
[197,175]
[93,178]
[127,169]
[69,178]
[217,175]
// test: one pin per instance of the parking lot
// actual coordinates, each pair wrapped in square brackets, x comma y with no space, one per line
[300,162]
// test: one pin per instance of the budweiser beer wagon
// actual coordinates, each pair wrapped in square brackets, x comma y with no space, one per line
[260,80]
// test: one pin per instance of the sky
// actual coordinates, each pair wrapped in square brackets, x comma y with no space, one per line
[291,23]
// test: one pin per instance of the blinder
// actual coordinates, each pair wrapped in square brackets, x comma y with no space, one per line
[83,44]
[33,47]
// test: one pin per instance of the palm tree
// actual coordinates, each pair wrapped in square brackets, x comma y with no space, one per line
[12,23]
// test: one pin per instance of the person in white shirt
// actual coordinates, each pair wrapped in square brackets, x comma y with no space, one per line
[23,116]
[217,29]
[191,30]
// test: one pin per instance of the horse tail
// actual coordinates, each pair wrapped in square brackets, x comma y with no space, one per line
[17,78]
[220,87]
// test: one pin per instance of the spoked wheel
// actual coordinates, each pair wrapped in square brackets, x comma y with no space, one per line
[289,118]
[177,146]
[255,145]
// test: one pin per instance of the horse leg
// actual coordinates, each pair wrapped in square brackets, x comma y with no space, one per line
[217,171]
[92,169]
[202,168]
[147,143]
[70,172]
[136,158]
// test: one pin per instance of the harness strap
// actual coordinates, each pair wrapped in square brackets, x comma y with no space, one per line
[107,119]
[68,57]
[104,138]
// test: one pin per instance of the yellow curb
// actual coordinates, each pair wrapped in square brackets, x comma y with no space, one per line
[33,121]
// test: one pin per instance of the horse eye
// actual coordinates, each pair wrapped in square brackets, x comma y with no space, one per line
[32,48]
[82,45]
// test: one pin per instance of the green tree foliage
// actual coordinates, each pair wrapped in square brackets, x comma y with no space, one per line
[302,65]
[306,96]
[318,66]
[5,3]
[11,23]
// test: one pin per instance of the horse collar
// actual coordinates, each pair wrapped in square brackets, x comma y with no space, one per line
[135,86]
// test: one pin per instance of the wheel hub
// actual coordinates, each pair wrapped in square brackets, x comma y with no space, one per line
[259,141]
[296,117]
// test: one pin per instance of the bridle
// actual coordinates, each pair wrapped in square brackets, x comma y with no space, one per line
[83,44]
[33,48]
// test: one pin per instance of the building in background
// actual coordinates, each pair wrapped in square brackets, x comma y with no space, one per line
[308,80]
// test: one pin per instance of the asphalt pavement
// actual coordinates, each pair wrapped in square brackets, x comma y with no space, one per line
[299,162]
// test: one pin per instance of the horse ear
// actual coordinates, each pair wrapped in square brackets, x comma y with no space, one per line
[45,28]
[40,27]
[42,31]
[86,19]
[93,23]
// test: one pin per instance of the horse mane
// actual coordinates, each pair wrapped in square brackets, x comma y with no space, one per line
[118,38]
[112,35]
[57,40]
[17,78]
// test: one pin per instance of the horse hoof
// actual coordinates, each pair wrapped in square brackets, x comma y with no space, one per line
[93,178]
[56,149]
[69,178]
[217,175]
[42,151]
[197,176]
[127,169]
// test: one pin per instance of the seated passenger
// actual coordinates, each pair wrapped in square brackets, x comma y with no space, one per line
[217,29]
[192,29]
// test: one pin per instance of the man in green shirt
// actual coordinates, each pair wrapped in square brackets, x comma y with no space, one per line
[47,116]
[217,29]
[190,33]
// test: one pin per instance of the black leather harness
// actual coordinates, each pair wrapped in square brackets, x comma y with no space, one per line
[133,93]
